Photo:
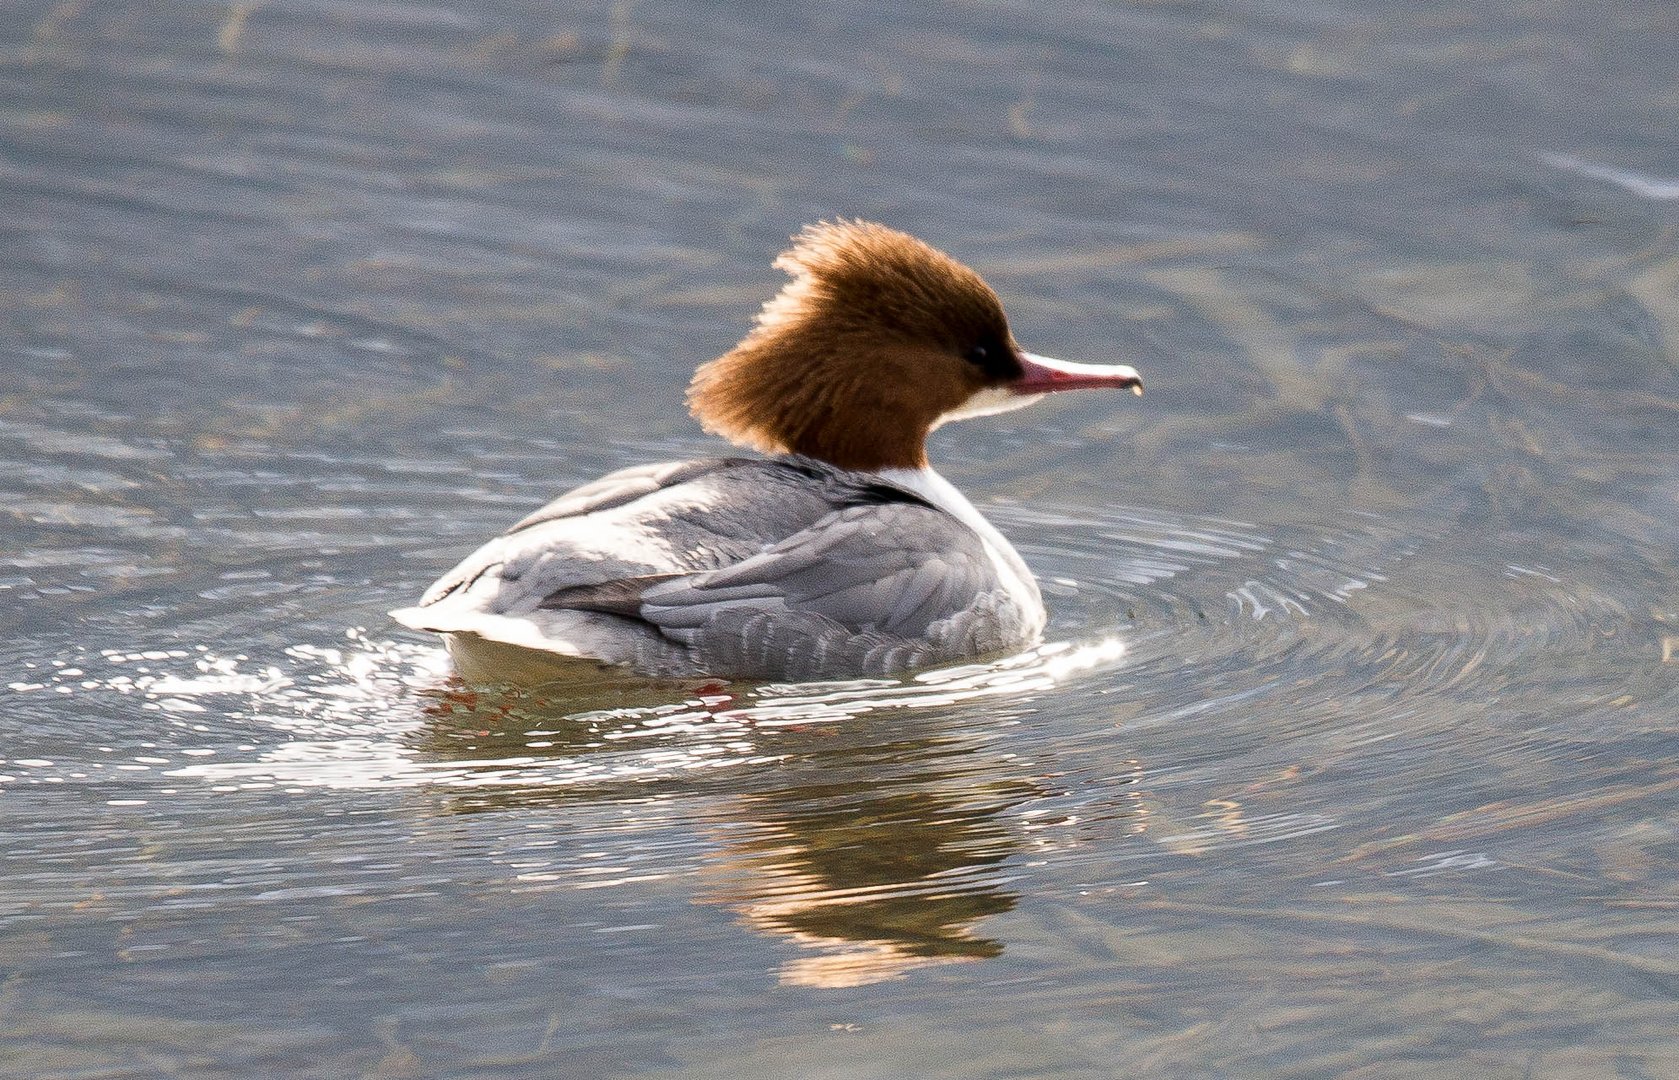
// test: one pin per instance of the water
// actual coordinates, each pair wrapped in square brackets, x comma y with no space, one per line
[1351,751]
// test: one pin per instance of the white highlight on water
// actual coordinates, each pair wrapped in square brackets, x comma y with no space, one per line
[1651,187]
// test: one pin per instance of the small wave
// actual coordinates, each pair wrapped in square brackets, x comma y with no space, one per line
[380,713]
[1650,187]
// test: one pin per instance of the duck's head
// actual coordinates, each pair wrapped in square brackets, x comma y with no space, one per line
[877,340]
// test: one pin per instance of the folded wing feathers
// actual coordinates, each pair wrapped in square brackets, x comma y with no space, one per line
[894,569]
[618,488]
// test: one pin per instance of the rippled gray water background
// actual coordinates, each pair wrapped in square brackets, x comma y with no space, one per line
[1353,750]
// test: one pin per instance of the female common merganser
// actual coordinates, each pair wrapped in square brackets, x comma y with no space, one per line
[843,554]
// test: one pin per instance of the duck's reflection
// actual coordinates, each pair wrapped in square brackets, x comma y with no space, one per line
[875,880]
[876,846]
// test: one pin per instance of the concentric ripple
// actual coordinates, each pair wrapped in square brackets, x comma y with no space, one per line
[1182,616]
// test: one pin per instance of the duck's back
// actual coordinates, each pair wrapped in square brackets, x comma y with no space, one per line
[778,569]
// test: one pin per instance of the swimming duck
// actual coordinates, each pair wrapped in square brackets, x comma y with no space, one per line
[841,553]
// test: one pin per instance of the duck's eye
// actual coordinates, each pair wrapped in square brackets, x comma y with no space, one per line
[992,357]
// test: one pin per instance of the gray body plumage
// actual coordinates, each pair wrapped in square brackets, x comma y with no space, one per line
[772,569]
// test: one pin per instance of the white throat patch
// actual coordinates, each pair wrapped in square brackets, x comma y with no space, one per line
[988,402]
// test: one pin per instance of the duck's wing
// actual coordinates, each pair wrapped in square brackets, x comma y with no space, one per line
[623,486]
[634,526]
[874,588]
[558,545]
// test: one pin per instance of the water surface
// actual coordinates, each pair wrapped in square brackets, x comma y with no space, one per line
[1351,750]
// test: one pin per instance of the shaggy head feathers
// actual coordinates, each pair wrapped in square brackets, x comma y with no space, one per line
[876,337]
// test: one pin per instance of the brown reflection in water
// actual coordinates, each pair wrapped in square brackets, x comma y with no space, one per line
[878,850]
[504,714]
[875,880]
